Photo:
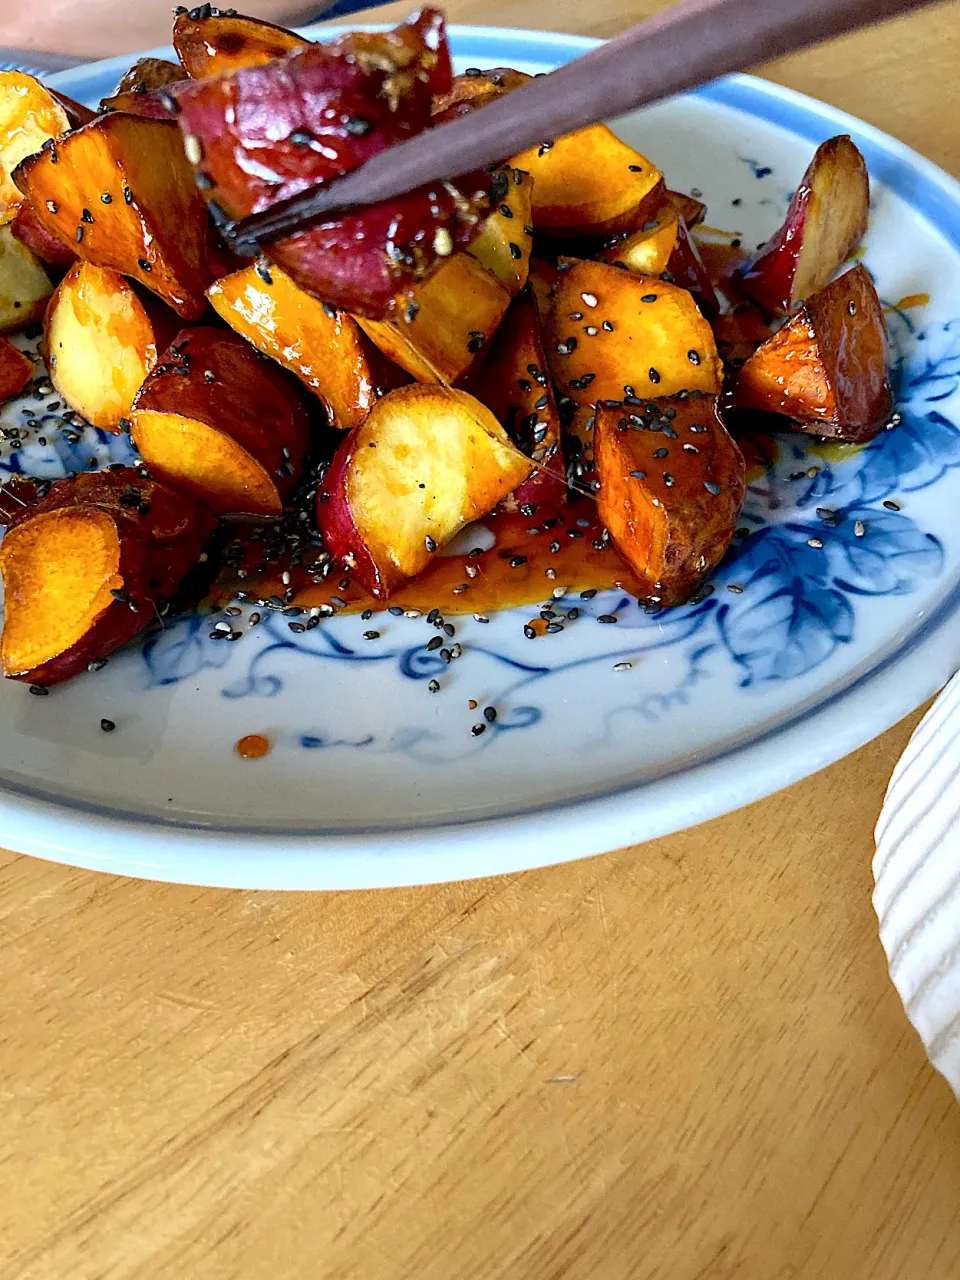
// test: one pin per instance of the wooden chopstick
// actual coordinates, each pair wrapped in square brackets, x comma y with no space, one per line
[692,42]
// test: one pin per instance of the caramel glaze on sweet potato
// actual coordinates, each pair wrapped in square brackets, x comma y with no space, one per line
[16,370]
[449,319]
[218,44]
[28,228]
[86,568]
[612,335]
[692,210]
[120,191]
[827,367]
[589,183]
[663,247]
[324,347]
[102,338]
[514,384]
[475,89]
[826,220]
[30,114]
[24,284]
[426,462]
[217,421]
[672,482]
[141,89]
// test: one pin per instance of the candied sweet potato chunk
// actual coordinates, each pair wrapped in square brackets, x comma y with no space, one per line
[324,347]
[672,482]
[87,567]
[216,421]
[267,132]
[474,89]
[220,43]
[426,462]
[446,324]
[827,367]
[121,192]
[505,239]
[589,183]
[140,91]
[612,334]
[30,114]
[16,370]
[826,220]
[102,339]
[24,285]
[514,384]
[663,247]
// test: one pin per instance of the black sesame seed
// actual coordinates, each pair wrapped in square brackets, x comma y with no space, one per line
[263,271]
[107,726]
[39,691]
[852,307]
[143,264]
[693,357]
[474,345]
[434,686]
[515,251]
[649,297]
[478,729]
[79,234]
[653,375]
[449,629]
[301,138]
[127,195]
[712,487]
[371,635]
[528,631]
[639,475]
[396,610]
[607,617]
[588,594]
[607,326]
[86,215]
[890,505]
[357,126]
[668,480]
[660,453]
[430,543]
[574,614]
[635,168]
[517,561]
[297,627]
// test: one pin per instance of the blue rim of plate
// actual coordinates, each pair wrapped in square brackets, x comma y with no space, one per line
[189,851]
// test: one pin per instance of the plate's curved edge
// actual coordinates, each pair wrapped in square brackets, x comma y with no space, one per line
[810,741]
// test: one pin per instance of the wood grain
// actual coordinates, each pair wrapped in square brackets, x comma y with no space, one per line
[680,1061]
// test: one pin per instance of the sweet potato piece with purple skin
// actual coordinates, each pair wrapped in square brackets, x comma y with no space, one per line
[827,367]
[826,221]
[323,347]
[672,482]
[267,132]
[31,113]
[102,339]
[426,462]
[67,558]
[514,385]
[663,247]
[216,421]
[31,232]
[222,43]
[120,192]
[449,319]
[16,370]
[589,183]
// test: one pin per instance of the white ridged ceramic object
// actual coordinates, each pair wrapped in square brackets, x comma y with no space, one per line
[917,876]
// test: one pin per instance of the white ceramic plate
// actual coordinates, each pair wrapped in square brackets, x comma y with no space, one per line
[374,781]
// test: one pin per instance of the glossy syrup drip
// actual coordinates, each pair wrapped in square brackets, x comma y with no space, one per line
[524,564]
[252,747]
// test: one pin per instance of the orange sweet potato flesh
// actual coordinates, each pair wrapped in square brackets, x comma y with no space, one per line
[216,421]
[426,462]
[475,89]
[121,193]
[672,482]
[827,367]
[663,247]
[102,339]
[220,43]
[589,183]
[16,370]
[826,220]
[30,114]
[514,384]
[324,347]
[505,240]
[452,315]
[63,556]
[24,284]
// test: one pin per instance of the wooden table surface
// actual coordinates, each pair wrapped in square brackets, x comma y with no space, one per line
[683,1060]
